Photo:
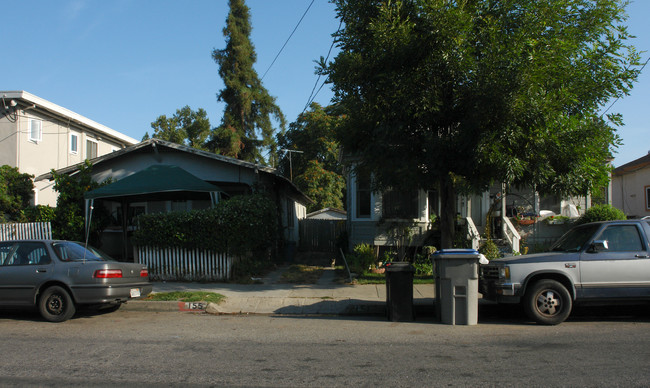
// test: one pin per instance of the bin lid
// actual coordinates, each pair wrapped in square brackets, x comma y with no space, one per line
[456,254]
[399,266]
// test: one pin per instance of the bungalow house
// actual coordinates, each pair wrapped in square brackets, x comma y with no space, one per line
[37,136]
[228,177]
[408,218]
[631,187]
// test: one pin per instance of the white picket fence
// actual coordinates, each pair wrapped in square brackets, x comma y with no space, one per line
[26,231]
[184,265]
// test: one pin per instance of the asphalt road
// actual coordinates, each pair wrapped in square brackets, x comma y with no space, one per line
[131,348]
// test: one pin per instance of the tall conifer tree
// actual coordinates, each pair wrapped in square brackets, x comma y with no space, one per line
[246,128]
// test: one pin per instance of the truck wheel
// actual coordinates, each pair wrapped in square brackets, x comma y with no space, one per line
[547,302]
[56,305]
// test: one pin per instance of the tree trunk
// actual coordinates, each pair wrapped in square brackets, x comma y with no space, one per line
[447,211]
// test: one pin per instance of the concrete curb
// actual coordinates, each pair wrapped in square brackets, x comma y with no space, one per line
[278,306]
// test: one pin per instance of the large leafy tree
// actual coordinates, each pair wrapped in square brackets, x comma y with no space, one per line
[247,126]
[185,127]
[448,93]
[69,219]
[311,156]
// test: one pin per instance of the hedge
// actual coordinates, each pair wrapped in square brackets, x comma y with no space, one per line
[242,224]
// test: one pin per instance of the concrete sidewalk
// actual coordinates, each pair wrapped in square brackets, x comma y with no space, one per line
[323,298]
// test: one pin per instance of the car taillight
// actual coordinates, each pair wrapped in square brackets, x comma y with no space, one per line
[144,273]
[108,273]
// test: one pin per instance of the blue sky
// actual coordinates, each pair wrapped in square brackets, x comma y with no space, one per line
[123,63]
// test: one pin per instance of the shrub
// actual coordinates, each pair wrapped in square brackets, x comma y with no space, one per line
[15,193]
[39,213]
[490,250]
[601,213]
[362,258]
[423,264]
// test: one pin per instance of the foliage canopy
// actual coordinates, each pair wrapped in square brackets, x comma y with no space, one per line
[315,168]
[443,93]
[15,193]
[185,127]
[249,107]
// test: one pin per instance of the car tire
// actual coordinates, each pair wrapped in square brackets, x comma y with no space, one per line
[548,302]
[56,304]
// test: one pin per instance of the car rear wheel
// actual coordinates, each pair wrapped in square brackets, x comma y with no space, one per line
[56,305]
[548,302]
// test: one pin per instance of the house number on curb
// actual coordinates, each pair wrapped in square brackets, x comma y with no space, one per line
[192,306]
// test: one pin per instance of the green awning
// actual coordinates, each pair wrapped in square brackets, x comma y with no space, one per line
[158,178]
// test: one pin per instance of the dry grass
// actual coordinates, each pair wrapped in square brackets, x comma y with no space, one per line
[301,274]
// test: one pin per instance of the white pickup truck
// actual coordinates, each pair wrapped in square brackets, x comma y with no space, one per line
[603,262]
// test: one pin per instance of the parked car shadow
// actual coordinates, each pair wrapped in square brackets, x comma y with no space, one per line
[493,313]
[31,314]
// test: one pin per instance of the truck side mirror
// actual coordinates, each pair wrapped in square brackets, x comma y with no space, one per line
[599,245]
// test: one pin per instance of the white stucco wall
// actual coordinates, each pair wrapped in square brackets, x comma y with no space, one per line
[629,192]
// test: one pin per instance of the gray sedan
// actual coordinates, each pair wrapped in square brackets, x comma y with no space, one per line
[58,276]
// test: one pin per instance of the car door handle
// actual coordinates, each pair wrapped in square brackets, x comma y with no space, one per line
[641,256]
[41,270]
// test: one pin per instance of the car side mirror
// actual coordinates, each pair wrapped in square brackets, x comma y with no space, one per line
[599,245]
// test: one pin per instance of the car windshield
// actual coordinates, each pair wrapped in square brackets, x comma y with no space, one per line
[575,239]
[73,251]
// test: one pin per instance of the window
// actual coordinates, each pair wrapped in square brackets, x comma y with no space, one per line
[91,149]
[647,198]
[363,195]
[35,130]
[24,253]
[622,238]
[74,143]
[400,204]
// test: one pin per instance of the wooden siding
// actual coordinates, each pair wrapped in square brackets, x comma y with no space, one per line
[320,235]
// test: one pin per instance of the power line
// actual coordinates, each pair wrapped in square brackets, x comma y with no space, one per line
[313,95]
[618,98]
[287,41]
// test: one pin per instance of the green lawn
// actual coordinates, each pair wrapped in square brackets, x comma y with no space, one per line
[186,296]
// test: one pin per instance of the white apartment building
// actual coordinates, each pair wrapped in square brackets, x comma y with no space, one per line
[37,136]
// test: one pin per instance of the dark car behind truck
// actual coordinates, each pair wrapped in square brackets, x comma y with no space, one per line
[603,262]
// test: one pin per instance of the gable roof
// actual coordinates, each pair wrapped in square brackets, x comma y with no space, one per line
[328,211]
[158,178]
[633,166]
[155,144]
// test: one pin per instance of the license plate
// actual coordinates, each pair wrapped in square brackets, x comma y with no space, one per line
[135,293]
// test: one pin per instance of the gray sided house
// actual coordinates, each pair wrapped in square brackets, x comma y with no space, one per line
[397,218]
[158,176]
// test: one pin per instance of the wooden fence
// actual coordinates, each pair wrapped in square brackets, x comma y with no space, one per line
[320,235]
[26,231]
[182,264]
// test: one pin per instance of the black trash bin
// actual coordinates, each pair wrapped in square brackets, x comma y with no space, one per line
[399,292]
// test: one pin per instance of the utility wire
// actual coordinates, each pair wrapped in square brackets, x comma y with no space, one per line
[312,95]
[618,98]
[287,41]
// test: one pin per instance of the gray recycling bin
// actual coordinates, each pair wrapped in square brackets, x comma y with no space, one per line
[399,291]
[457,285]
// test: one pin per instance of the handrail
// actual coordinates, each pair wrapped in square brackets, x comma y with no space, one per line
[473,233]
[511,234]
